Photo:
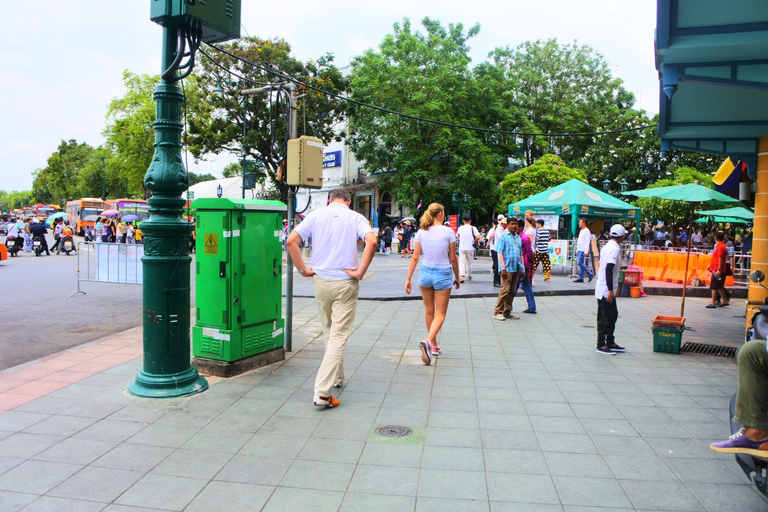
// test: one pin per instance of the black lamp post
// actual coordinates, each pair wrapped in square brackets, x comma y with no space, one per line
[459,202]
[607,186]
[218,191]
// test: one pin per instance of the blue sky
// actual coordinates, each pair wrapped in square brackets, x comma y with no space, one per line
[62,61]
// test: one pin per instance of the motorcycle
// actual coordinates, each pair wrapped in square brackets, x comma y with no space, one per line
[14,244]
[37,246]
[67,244]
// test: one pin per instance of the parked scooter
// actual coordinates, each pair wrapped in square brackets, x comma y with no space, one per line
[67,244]
[14,244]
[37,246]
[755,468]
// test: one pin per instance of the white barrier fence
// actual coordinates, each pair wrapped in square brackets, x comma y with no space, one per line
[109,263]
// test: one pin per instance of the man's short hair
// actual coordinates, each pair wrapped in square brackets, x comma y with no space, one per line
[466,218]
[540,222]
[342,194]
[720,236]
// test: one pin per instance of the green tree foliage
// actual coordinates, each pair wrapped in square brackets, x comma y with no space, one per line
[236,169]
[635,156]
[547,172]
[547,87]
[14,200]
[232,170]
[197,178]
[216,124]
[425,75]
[129,131]
[60,180]
[654,209]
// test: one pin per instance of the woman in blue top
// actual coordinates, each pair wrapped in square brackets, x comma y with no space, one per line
[440,270]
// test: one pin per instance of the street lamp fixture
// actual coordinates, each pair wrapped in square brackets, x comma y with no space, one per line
[459,202]
[218,191]
[606,185]
[624,185]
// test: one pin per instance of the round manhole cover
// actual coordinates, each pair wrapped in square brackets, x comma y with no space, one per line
[394,431]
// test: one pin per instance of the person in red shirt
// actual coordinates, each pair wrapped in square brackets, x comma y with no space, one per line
[717,267]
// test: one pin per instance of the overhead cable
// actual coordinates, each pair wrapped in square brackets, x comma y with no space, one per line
[409,116]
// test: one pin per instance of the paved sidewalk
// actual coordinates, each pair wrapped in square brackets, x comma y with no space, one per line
[514,416]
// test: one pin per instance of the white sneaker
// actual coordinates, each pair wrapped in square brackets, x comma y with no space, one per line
[499,317]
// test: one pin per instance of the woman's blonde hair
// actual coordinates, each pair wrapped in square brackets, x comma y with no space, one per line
[428,219]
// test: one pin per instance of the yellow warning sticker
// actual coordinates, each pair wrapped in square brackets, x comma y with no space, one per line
[211,243]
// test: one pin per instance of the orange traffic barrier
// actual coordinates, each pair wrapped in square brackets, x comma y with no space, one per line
[641,259]
[673,267]
[661,266]
[650,270]
[703,268]
[693,260]
[680,275]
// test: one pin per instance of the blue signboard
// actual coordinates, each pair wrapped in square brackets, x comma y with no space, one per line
[332,159]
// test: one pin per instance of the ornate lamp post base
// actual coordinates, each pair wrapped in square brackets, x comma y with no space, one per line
[172,385]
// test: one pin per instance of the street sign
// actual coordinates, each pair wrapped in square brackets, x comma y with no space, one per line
[453,222]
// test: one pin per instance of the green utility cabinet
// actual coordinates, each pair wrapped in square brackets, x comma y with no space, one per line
[238,278]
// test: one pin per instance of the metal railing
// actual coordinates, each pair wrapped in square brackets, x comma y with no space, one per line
[109,263]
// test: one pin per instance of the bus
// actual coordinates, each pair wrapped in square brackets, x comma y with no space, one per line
[138,207]
[41,211]
[81,209]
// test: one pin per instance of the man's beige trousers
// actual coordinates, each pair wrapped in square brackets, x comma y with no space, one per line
[337,302]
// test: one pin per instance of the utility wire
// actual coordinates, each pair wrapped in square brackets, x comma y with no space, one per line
[241,78]
[409,116]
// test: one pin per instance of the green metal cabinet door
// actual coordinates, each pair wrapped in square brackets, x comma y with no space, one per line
[213,268]
[261,262]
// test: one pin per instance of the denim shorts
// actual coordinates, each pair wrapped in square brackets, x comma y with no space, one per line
[437,278]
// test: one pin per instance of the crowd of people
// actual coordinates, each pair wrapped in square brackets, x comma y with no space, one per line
[105,229]
[35,228]
[663,236]
[110,229]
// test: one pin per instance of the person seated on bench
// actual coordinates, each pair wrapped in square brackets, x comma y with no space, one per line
[751,404]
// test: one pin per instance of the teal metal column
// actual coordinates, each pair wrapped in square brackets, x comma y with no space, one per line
[167,371]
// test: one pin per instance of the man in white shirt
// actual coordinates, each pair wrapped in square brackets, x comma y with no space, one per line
[605,292]
[582,248]
[336,278]
[468,235]
[696,238]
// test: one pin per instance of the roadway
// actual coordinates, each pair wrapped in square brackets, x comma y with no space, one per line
[41,318]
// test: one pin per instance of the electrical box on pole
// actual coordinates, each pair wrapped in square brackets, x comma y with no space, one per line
[217,20]
[305,162]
